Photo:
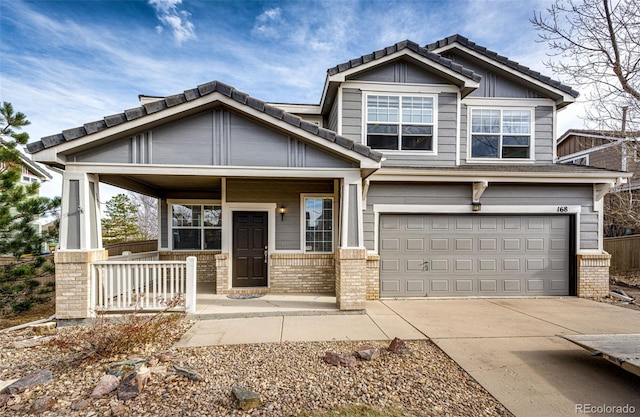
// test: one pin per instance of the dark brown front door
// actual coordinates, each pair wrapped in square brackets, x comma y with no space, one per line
[249,249]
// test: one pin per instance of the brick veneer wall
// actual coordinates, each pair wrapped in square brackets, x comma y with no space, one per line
[373,277]
[593,275]
[73,278]
[351,281]
[302,273]
[206,268]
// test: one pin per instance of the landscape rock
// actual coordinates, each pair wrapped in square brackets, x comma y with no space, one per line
[131,386]
[36,341]
[246,399]
[187,372]
[43,404]
[81,405]
[44,329]
[6,383]
[397,345]
[367,352]
[107,384]
[338,359]
[40,377]
[4,399]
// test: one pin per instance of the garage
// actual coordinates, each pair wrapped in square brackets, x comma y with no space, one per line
[474,255]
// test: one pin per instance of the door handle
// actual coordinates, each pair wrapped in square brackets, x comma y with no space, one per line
[266,254]
[425,266]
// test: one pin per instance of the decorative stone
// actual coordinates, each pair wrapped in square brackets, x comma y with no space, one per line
[4,399]
[367,352]
[246,399]
[166,356]
[397,345]
[36,341]
[338,359]
[187,372]
[4,384]
[44,329]
[43,404]
[80,405]
[106,384]
[40,377]
[130,387]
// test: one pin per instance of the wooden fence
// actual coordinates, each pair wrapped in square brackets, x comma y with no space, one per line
[115,249]
[625,253]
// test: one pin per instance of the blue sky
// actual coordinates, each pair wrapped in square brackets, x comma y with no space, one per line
[65,63]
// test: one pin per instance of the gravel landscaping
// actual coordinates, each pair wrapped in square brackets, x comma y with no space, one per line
[291,379]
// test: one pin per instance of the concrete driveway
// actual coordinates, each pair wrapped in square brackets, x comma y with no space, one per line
[510,347]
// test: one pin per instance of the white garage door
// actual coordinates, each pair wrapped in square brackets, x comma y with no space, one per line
[475,255]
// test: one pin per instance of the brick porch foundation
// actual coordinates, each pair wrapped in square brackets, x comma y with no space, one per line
[593,275]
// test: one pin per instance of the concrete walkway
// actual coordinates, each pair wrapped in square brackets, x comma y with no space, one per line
[508,345]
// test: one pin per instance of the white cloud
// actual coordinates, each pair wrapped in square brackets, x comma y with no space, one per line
[177,20]
[268,23]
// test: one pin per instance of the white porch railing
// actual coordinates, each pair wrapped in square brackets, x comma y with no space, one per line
[143,285]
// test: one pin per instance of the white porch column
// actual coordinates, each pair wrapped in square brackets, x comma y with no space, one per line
[80,245]
[80,226]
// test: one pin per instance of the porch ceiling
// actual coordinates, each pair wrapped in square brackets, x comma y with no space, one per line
[167,186]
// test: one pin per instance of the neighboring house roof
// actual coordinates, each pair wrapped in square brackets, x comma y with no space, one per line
[442,45]
[163,104]
[612,135]
[36,168]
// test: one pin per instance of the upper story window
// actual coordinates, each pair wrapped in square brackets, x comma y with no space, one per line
[400,123]
[196,227]
[501,134]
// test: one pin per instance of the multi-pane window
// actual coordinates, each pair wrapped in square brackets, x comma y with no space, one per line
[318,227]
[196,227]
[400,123]
[499,133]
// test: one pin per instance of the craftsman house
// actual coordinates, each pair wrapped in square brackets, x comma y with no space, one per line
[423,171]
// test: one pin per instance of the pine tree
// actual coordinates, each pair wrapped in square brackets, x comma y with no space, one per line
[20,204]
[121,223]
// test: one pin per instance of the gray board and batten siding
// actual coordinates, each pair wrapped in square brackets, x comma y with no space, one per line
[455,195]
[220,138]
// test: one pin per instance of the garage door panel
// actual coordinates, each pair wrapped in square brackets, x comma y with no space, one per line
[442,254]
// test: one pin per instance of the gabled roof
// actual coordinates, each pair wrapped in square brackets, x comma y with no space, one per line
[203,90]
[406,44]
[472,46]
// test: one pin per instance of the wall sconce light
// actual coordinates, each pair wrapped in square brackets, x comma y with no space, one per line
[282,210]
[476,206]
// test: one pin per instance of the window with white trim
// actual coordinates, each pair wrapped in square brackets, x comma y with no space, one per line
[318,224]
[400,123]
[501,133]
[196,226]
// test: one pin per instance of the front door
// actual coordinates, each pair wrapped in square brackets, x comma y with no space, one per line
[249,249]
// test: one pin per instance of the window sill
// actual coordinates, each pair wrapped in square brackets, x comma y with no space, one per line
[499,161]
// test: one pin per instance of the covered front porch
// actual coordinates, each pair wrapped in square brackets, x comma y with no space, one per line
[239,236]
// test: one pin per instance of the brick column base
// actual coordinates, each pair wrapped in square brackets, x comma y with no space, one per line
[593,275]
[351,278]
[73,282]
[373,277]
[222,273]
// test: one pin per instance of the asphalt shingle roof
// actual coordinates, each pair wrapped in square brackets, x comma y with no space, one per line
[190,95]
[501,59]
[406,44]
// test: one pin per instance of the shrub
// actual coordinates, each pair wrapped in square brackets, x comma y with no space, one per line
[32,283]
[39,261]
[21,306]
[23,270]
[108,337]
[49,268]
[17,288]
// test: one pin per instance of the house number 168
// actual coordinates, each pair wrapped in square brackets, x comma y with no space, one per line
[563,209]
